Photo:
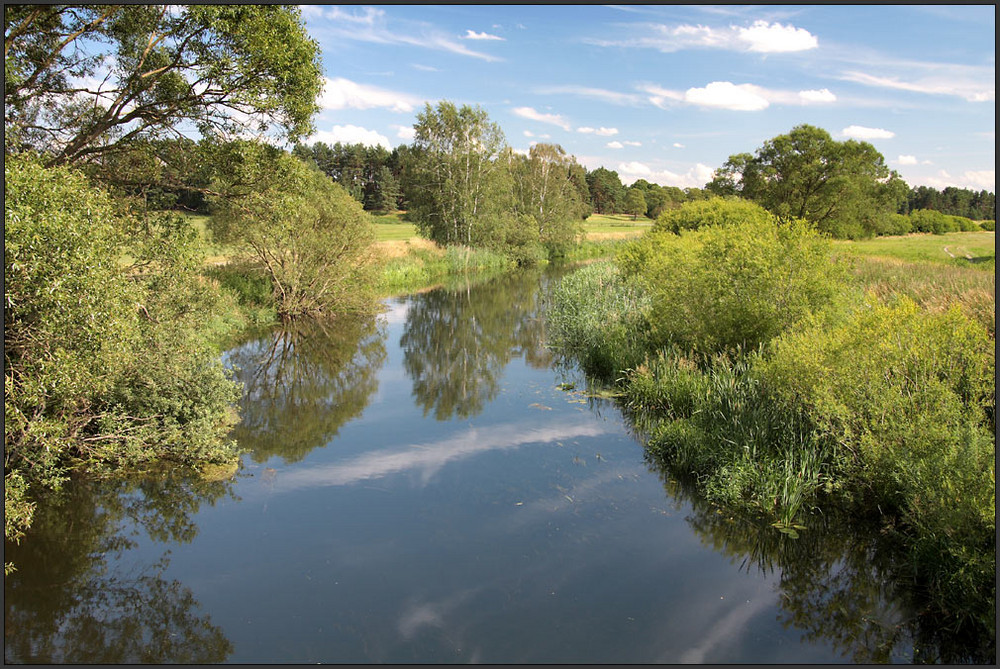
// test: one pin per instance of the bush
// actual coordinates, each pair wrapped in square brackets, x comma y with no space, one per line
[105,361]
[714,211]
[600,318]
[929,220]
[989,226]
[906,397]
[723,288]
[311,238]
[894,224]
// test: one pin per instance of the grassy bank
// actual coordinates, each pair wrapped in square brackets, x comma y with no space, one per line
[878,401]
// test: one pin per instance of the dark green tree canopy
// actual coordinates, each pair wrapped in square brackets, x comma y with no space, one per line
[88,79]
[844,188]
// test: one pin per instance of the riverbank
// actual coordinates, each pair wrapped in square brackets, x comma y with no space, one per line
[875,400]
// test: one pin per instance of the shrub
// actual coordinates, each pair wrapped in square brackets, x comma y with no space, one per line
[737,286]
[714,211]
[106,364]
[894,224]
[907,397]
[929,220]
[989,226]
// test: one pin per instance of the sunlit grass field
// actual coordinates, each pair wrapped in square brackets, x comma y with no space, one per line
[964,249]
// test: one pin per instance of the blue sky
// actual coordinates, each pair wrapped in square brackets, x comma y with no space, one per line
[668,92]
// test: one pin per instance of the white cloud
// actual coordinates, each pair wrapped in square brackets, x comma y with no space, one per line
[861,132]
[528,133]
[906,160]
[971,179]
[406,132]
[633,143]
[760,37]
[371,26]
[615,145]
[532,114]
[351,134]
[969,83]
[726,95]
[695,177]
[594,93]
[822,95]
[606,132]
[776,38]
[343,93]
[471,34]
[424,68]
[678,145]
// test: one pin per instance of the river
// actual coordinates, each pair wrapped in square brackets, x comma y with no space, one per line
[433,485]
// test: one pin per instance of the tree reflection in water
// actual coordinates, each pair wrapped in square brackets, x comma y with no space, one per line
[457,342]
[842,581]
[303,382]
[68,607]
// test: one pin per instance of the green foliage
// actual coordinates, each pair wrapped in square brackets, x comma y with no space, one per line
[252,61]
[635,203]
[843,188]
[713,211]
[545,196]
[894,224]
[455,182]
[606,190]
[928,220]
[599,317]
[103,363]
[735,286]
[309,236]
[717,421]
[907,399]
[989,226]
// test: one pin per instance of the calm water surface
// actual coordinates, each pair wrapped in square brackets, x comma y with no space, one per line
[421,487]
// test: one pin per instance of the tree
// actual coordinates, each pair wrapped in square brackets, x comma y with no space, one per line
[89,79]
[844,188]
[306,232]
[606,190]
[635,203]
[455,180]
[104,363]
[544,190]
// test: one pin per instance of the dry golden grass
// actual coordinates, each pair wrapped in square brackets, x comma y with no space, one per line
[399,248]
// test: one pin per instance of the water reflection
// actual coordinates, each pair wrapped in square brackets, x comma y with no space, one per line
[66,605]
[458,342]
[842,582]
[304,382]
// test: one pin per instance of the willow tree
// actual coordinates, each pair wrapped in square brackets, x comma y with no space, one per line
[303,230]
[86,80]
[843,188]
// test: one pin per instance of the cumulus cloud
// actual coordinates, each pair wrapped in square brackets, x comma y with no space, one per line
[534,115]
[678,145]
[633,143]
[406,132]
[615,145]
[822,95]
[343,93]
[472,34]
[776,38]
[351,134]
[726,95]
[971,179]
[861,132]
[907,160]
[600,132]
[695,177]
